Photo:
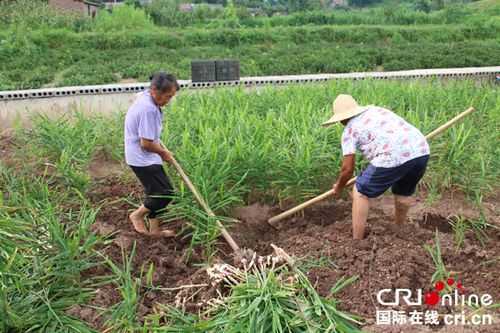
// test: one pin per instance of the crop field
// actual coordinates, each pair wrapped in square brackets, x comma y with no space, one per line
[129,45]
[71,262]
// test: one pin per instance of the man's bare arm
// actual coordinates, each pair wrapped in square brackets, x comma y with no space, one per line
[158,148]
[346,172]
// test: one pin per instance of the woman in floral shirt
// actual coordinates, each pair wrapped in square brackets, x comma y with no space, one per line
[397,151]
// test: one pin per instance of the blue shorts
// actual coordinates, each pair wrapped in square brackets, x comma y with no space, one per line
[402,179]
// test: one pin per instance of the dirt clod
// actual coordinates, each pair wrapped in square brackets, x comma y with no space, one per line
[434,221]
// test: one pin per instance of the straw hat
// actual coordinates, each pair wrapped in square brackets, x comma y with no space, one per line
[344,107]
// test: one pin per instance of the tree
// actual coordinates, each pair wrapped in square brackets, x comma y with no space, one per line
[230,15]
[134,3]
[438,4]
[302,5]
[423,5]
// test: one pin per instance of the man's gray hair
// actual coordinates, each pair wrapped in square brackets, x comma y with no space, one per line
[163,82]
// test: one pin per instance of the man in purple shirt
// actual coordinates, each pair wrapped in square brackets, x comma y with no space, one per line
[145,154]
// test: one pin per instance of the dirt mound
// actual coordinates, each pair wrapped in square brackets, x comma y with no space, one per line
[103,166]
[322,239]
[434,221]
[255,214]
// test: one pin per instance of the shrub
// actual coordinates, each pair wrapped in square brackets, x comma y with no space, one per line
[122,18]
[35,14]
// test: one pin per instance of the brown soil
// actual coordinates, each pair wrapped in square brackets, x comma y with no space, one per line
[103,166]
[433,221]
[390,256]
[7,148]
[172,262]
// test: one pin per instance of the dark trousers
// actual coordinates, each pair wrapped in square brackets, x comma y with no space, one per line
[159,190]
[403,179]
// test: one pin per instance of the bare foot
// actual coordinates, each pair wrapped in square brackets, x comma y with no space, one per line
[138,223]
[154,227]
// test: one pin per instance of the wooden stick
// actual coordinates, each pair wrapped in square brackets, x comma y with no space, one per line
[203,204]
[448,124]
[325,195]
[308,203]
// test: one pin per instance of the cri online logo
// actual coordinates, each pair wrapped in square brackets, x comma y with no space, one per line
[432,298]
[453,295]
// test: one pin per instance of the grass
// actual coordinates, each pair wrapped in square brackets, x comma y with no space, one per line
[441,273]
[308,263]
[478,227]
[122,316]
[43,254]
[270,299]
